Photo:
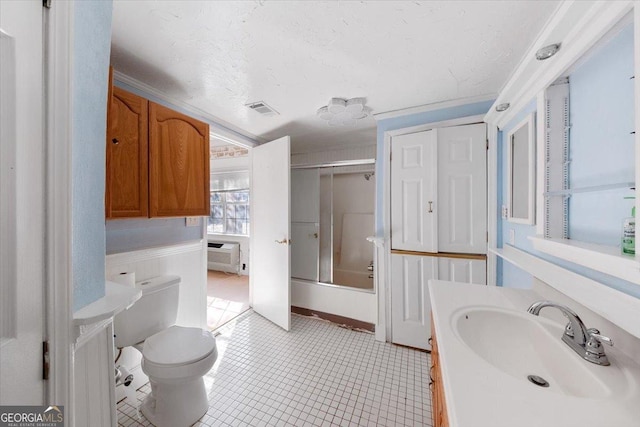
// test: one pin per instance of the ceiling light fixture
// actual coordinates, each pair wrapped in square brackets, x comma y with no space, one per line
[547,51]
[344,112]
[502,107]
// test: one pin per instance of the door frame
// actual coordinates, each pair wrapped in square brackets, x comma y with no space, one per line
[383,327]
[58,287]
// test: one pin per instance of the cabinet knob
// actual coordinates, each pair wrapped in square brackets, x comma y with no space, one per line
[115,141]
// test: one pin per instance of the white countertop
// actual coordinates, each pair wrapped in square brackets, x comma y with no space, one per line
[478,394]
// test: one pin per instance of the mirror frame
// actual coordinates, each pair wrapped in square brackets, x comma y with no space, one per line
[530,219]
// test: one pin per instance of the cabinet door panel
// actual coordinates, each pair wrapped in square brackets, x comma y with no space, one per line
[462,189]
[410,303]
[127,156]
[463,270]
[179,164]
[413,192]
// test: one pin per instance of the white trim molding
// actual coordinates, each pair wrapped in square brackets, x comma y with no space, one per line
[59,273]
[434,106]
[219,128]
[492,202]
[151,253]
[578,26]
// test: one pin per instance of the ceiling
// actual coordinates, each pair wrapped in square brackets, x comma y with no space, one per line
[218,56]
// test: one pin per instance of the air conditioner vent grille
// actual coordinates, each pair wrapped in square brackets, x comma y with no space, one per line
[262,108]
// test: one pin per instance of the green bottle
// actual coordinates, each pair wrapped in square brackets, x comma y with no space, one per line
[629,233]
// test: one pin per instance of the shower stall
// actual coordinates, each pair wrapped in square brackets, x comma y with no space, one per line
[331,217]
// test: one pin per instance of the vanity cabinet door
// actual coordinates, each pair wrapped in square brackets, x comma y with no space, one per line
[126,192]
[179,164]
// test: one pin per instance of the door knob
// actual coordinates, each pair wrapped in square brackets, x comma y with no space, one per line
[284,241]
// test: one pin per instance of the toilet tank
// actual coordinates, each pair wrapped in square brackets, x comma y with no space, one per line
[156,310]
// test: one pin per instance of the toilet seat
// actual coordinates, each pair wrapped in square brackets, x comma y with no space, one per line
[178,346]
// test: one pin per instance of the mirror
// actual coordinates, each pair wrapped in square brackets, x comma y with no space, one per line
[521,172]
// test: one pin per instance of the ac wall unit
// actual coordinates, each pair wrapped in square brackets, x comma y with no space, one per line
[223,257]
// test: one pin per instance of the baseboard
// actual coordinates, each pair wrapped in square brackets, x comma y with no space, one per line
[334,318]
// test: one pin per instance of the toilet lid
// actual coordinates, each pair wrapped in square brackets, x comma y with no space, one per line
[178,345]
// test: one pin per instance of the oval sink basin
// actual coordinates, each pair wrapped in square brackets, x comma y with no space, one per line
[521,345]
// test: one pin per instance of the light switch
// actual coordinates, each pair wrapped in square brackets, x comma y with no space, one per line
[192,221]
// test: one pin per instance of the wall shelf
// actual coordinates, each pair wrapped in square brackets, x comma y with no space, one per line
[606,259]
[591,189]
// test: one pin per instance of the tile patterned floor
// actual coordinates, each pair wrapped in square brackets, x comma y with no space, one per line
[227,297]
[318,374]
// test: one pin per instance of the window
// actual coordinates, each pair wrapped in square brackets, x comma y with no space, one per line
[229,212]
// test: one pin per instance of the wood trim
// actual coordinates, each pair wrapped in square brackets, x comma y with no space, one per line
[440,254]
[334,318]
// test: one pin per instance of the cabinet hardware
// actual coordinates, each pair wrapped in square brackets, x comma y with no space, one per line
[115,141]
[430,207]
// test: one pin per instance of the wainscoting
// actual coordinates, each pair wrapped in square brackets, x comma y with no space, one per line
[187,260]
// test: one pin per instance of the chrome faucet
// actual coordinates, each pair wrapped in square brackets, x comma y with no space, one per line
[586,342]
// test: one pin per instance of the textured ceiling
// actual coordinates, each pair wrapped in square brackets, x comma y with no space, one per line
[296,55]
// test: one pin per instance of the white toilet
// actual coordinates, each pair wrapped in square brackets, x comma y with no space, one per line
[174,358]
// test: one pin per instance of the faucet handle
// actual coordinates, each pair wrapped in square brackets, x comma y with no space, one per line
[594,333]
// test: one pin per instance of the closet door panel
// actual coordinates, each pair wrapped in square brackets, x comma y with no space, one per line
[414,216]
[410,302]
[463,270]
[462,189]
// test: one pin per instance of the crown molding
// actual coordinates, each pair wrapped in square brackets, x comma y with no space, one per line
[219,128]
[434,106]
[578,25]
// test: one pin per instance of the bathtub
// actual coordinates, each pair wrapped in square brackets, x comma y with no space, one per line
[354,279]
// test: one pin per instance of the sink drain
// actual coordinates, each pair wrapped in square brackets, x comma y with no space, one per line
[539,381]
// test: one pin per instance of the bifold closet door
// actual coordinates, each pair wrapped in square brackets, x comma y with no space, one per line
[410,302]
[462,189]
[414,172]
[463,270]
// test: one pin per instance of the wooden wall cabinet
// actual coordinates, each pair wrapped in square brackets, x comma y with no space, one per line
[157,160]
[439,406]
[127,156]
[178,164]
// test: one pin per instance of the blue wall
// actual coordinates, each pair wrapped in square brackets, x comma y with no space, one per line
[408,121]
[91,49]
[597,144]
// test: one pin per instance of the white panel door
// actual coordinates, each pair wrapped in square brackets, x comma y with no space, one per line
[270,279]
[414,216]
[463,270]
[462,189]
[22,205]
[410,303]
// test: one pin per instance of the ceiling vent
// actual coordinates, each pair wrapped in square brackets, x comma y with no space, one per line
[262,108]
